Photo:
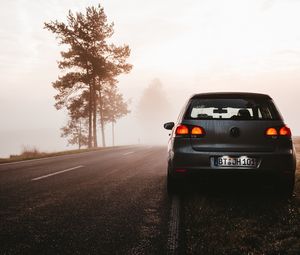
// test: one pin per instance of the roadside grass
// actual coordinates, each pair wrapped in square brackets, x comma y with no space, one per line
[241,225]
[29,153]
[241,220]
[238,220]
[296,140]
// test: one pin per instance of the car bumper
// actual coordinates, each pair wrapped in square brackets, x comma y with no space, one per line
[189,161]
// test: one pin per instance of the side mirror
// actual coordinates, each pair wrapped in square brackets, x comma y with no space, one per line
[169,125]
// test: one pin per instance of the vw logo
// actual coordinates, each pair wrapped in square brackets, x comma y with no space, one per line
[234,132]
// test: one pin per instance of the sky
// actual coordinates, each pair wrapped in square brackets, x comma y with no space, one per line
[191,46]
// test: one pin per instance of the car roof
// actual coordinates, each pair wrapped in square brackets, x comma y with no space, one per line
[231,95]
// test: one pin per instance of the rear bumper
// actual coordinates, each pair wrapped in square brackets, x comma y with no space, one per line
[190,162]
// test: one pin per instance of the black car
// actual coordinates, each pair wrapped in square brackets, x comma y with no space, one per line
[231,133]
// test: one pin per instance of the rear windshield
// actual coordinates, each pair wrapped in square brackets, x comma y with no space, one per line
[234,109]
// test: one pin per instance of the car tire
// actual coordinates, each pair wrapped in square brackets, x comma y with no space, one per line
[172,185]
[286,185]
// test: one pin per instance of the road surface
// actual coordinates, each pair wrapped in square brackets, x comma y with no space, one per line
[107,202]
[114,201]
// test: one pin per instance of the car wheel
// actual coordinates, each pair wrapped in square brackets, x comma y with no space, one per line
[286,185]
[172,185]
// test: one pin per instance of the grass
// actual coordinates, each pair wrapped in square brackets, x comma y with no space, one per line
[29,153]
[296,140]
[232,224]
[242,221]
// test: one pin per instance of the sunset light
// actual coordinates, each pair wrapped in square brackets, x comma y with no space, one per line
[150,127]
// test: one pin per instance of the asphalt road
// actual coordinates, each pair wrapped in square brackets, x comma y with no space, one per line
[106,202]
[115,202]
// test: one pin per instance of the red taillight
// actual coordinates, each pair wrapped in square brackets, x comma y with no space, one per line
[189,131]
[271,132]
[182,130]
[285,131]
[197,131]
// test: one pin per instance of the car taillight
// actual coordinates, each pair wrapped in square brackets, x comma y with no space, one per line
[271,132]
[285,131]
[197,131]
[182,130]
[282,131]
[187,131]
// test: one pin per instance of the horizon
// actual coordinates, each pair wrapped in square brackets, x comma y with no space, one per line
[191,48]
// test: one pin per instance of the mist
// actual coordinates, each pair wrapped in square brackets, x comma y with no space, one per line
[190,48]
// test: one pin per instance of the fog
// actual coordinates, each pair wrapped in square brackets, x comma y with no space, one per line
[190,47]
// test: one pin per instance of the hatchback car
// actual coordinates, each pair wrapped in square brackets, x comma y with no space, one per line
[231,133]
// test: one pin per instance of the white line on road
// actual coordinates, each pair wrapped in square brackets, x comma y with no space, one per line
[59,172]
[173,237]
[127,153]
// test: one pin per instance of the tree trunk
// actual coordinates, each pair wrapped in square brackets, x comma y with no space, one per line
[90,117]
[103,133]
[113,132]
[94,114]
[101,118]
[79,140]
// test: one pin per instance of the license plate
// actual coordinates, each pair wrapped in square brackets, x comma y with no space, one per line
[243,161]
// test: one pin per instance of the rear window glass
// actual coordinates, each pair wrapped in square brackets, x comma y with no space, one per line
[235,109]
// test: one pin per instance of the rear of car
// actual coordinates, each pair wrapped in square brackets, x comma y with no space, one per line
[231,133]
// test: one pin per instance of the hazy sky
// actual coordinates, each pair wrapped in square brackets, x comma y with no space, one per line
[191,46]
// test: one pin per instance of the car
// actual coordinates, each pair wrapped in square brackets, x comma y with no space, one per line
[231,133]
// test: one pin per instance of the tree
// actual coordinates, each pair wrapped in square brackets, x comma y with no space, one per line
[114,107]
[152,111]
[88,62]
[77,127]
[76,131]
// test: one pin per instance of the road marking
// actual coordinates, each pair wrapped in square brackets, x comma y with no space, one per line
[173,237]
[127,153]
[59,172]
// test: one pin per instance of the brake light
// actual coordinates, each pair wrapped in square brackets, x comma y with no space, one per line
[271,132]
[285,131]
[189,131]
[182,130]
[197,131]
